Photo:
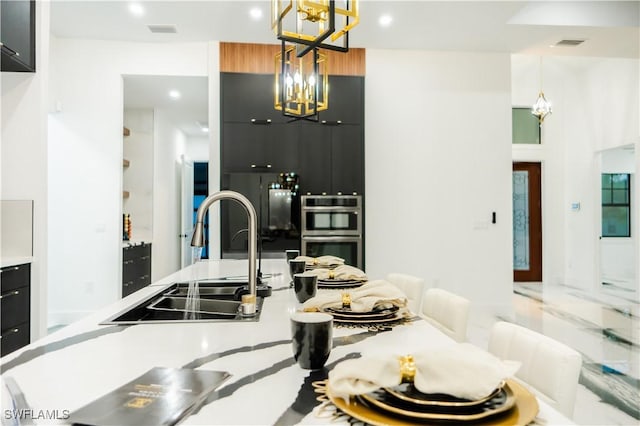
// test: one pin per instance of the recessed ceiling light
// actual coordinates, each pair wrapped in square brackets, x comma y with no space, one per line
[385,20]
[174,94]
[255,13]
[136,9]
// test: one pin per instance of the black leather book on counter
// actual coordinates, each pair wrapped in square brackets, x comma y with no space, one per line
[161,396]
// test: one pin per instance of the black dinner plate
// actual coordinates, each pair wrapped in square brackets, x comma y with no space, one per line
[408,393]
[382,400]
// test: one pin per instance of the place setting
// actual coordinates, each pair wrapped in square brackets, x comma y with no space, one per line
[374,304]
[325,262]
[455,384]
[343,276]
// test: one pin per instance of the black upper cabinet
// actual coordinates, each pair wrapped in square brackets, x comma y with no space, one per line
[18,34]
[346,100]
[266,146]
[315,158]
[248,97]
[347,160]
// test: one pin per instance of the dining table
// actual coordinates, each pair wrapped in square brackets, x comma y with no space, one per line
[53,377]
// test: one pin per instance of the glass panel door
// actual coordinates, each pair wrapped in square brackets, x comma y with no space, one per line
[527,222]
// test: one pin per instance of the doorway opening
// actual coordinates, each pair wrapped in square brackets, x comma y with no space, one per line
[200,192]
[527,222]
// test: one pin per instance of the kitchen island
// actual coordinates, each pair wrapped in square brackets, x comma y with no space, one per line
[85,360]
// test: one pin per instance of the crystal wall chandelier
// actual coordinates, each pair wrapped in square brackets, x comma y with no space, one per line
[301,71]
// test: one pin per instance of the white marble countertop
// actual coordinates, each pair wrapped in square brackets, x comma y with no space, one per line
[85,360]
[15,261]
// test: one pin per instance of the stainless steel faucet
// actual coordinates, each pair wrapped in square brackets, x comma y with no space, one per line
[252,224]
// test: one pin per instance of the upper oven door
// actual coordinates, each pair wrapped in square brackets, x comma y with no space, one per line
[331,221]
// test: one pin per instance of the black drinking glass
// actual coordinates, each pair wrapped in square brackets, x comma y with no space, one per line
[305,286]
[312,338]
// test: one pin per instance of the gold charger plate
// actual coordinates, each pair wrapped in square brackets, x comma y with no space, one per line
[524,410]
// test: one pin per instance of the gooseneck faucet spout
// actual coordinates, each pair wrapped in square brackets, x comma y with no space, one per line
[252,225]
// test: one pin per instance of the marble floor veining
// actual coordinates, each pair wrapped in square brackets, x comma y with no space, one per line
[604,326]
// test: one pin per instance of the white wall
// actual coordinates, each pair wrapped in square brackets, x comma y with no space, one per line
[24,156]
[438,163]
[85,180]
[198,148]
[170,144]
[595,106]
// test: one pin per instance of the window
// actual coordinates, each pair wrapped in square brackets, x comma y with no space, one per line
[616,205]
[525,128]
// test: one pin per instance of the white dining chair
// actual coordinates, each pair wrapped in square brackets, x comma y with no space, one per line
[447,311]
[411,286]
[550,367]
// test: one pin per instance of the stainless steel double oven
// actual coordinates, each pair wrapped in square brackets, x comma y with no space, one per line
[332,225]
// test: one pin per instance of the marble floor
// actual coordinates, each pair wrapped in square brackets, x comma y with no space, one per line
[604,326]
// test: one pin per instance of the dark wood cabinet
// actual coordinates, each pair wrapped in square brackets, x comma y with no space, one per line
[136,268]
[18,35]
[16,311]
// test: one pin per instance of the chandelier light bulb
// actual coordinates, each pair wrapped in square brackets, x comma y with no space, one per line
[297,78]
[312,80]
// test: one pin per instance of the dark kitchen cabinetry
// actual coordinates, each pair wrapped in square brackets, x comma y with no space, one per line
[247,146]
[333,158]
[136,268]
[247,97]
[346,100]
[16,312]
[18,35]
[327,156]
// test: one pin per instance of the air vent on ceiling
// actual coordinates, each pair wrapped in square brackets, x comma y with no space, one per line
[570,42]
[163,29]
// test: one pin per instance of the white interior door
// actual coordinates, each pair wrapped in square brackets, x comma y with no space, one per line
[186,212]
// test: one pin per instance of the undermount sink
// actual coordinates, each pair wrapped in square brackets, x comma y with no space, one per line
[219,301]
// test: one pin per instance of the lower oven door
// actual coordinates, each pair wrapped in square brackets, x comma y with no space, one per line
[348,248]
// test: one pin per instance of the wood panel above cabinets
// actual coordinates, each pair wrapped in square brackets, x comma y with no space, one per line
[253,58]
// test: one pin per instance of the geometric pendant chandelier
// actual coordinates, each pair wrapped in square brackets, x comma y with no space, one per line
[301,70]
[542,107]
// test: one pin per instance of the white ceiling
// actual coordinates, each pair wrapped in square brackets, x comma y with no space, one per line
[610,28]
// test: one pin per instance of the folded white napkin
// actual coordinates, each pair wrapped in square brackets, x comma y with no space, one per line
[363,299]
[322,261]
[342,272]
[462,370]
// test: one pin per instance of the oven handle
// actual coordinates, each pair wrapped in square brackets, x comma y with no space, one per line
[332,209]
[344,239]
